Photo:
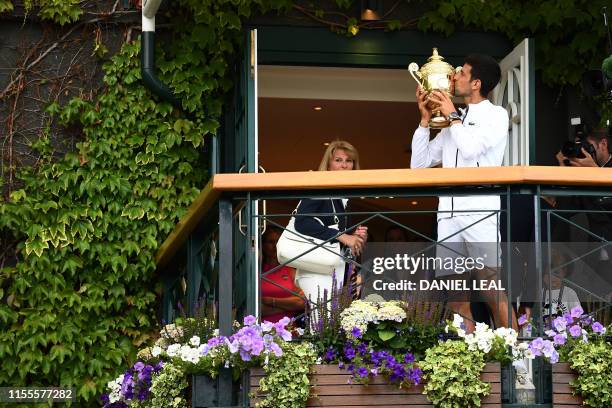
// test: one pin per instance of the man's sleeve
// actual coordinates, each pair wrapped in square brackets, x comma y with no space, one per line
[473,141]
[425,153]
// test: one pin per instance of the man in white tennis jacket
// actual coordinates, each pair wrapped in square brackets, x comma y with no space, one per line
[476,137]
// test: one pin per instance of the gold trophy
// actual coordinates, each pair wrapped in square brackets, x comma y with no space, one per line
[435,75]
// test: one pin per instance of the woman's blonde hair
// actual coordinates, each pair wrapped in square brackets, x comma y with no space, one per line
[339,145]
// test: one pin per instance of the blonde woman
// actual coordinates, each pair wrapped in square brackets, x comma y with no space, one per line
[339,156]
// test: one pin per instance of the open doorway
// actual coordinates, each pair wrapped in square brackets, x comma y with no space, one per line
[301,109]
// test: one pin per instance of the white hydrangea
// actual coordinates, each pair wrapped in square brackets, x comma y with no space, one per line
[359,314]
[391,311]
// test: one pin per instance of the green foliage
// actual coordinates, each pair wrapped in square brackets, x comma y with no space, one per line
[82,297]
[286,383]
[405,336]
[452,374]
[60,11]
[569,34]
[168,388]
[593,363]
[5,5]
[91,223]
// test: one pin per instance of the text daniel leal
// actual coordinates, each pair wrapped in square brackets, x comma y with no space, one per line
[423,284]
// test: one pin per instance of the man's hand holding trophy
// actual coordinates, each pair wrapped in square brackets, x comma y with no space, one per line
[435,75]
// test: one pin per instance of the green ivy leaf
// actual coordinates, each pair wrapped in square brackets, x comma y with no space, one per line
[386,335]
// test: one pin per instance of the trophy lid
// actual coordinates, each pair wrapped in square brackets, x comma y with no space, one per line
[436,63]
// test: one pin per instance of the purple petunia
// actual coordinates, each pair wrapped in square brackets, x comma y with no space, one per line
[522,320]
[536,346]
[598,328]
[576,312]
[362,348]
[356,332]
[409,358]
[560,339]
[362,372]
[414,375]
[349,352]
[575,330]
[330,354]
[554,357]
[250,320]
[559,324]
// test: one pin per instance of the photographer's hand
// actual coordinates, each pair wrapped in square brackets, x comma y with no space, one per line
[586,161]
[561,158]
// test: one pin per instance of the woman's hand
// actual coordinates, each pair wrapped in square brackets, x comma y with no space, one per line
[354,242]
[362,231]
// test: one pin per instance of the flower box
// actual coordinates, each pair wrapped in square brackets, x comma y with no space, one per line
[330,388]
[206,392]
[562,375]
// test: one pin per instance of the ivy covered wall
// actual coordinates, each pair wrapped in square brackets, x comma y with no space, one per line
[80,224]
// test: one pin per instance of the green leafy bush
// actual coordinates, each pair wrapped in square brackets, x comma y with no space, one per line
[452,374]
[82,296]
[593,363]
[286,382]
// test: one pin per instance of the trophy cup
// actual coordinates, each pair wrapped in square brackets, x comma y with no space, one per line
[435,75]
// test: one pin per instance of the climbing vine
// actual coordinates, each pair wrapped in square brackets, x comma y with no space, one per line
[569,34]
[81,295]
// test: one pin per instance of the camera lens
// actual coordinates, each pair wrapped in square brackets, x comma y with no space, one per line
[569,149]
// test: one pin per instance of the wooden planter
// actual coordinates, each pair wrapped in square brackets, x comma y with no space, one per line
[562,374]
[330,385]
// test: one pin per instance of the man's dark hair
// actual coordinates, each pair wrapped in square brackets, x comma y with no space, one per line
[486,69]
[599,134]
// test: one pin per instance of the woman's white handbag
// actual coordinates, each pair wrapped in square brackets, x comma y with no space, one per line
[292,244]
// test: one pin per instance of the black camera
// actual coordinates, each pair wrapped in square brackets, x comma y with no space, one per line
[574,149]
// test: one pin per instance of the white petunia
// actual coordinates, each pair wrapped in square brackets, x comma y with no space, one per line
[194,341]
[457,321]
[173,350]
[156,351]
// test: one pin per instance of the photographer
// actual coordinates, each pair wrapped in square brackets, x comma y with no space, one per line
[597,155]
[591,149]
